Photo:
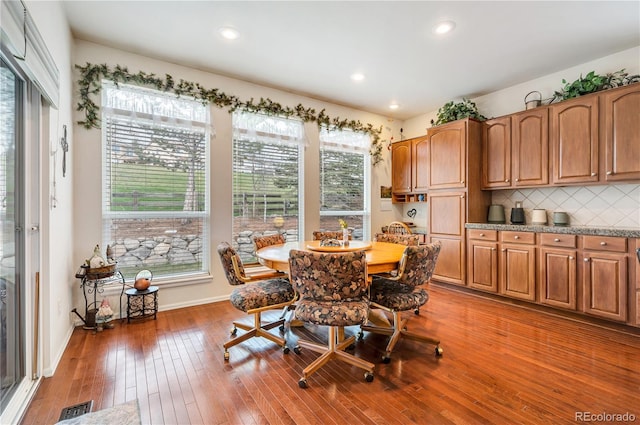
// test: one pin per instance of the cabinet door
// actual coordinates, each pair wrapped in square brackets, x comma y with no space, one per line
[530,144]
[420,164]
[482,272]
[517,271]
[621,109]
[605,285]
[496,153]
[557,277]
[447,213]
[401,167]
[574,140]
[450,265]
[447,155]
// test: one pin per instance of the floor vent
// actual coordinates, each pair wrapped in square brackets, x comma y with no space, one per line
[75,411]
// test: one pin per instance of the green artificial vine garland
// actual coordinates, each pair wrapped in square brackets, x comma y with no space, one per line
[90,84]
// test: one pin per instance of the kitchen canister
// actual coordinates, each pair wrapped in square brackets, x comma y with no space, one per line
[560,218]
[496,214]
[538,216]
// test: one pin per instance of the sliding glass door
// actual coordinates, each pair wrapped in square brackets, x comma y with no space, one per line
[12,332]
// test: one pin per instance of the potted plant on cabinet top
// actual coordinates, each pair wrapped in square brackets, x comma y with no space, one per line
[451,111]
[592,83]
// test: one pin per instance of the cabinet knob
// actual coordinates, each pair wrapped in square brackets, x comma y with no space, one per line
[593,174]
[461,196]
[516,237]
[556,240]
[461,181]
[482,235]
[603,244]
[504,250]
[586,260]
[493,249]
[609,173]
[517,180]
[506,181]
[571,258]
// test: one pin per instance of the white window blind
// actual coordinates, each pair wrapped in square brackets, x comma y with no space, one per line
[344,181]
[155,194]
[266,173]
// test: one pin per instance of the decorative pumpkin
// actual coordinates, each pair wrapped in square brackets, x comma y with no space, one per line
[142,284]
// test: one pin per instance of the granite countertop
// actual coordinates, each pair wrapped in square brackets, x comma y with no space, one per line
[567,230]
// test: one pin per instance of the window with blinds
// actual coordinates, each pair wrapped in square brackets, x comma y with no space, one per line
[266,174]
[344,181]
[155,185]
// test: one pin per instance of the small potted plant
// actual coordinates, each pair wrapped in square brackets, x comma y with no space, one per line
[451,111]
[345,231]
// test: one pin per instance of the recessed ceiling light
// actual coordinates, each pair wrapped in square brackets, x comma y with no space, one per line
[444,27]
[394,106]
[357,76]
[229,33]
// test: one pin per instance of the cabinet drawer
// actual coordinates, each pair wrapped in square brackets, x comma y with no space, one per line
[518,237]
[483,235]
[605,243]
[565,241]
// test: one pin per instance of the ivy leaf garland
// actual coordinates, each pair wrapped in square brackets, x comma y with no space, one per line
[91,75]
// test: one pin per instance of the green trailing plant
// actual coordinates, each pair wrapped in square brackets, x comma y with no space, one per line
[91,75]
[592,83]
[451,111]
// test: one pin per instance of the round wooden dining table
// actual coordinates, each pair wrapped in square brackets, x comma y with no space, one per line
[382,257]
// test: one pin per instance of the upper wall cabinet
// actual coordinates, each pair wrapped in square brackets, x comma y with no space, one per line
[448,155]
[574,140]
[515,150]
[621,133]
[409,169]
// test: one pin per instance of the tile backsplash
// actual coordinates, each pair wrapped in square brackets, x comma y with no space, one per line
[604,206]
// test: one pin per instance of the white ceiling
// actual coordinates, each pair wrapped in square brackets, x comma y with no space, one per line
[312,47]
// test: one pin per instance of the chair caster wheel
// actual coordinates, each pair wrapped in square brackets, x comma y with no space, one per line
[226,356]
[234,331]
[386,359]
[302,383]
[297,350]
[360,336]
[438,351]
[281,329]
[368,376]
[285,349]
[416,311]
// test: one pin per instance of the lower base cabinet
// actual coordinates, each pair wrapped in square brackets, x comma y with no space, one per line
[518,265]
[557,271]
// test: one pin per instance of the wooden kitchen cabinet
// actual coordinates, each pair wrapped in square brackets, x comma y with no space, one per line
[448,155]
[447,213]
[604,277]
[530,147]
[409,169]
[482,256]
[557,278]
[496,153]
[517,265]
[574,140]
[621,133]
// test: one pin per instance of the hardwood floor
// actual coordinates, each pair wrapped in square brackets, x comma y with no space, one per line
[502,364]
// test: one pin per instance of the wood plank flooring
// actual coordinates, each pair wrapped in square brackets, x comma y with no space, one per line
[502,364]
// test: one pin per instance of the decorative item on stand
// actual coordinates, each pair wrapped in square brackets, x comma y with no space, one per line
[345,232]
[533,103]
[517,214]
[143,280]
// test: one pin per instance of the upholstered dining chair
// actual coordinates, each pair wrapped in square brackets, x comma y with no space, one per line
[333,290]
[262,241]
[404,292]
[319,235]
[398,227]
[403,239]
[253,295]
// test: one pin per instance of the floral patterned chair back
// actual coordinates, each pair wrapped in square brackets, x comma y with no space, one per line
[410,240]
[322,276]
[320,235]
[262,241]
[417,264]
[227,256]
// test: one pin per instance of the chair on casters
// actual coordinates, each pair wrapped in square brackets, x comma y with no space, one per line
[402,239]
[402,293]
[262,241]
[253,295]
[398,227]
[333,292]
[320,235]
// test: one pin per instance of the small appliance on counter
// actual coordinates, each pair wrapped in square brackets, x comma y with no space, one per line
[496,214]
[539,216]
[560,218]
[517,214]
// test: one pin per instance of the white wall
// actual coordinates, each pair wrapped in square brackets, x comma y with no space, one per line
[87,165]
[57,265]
[510,100]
